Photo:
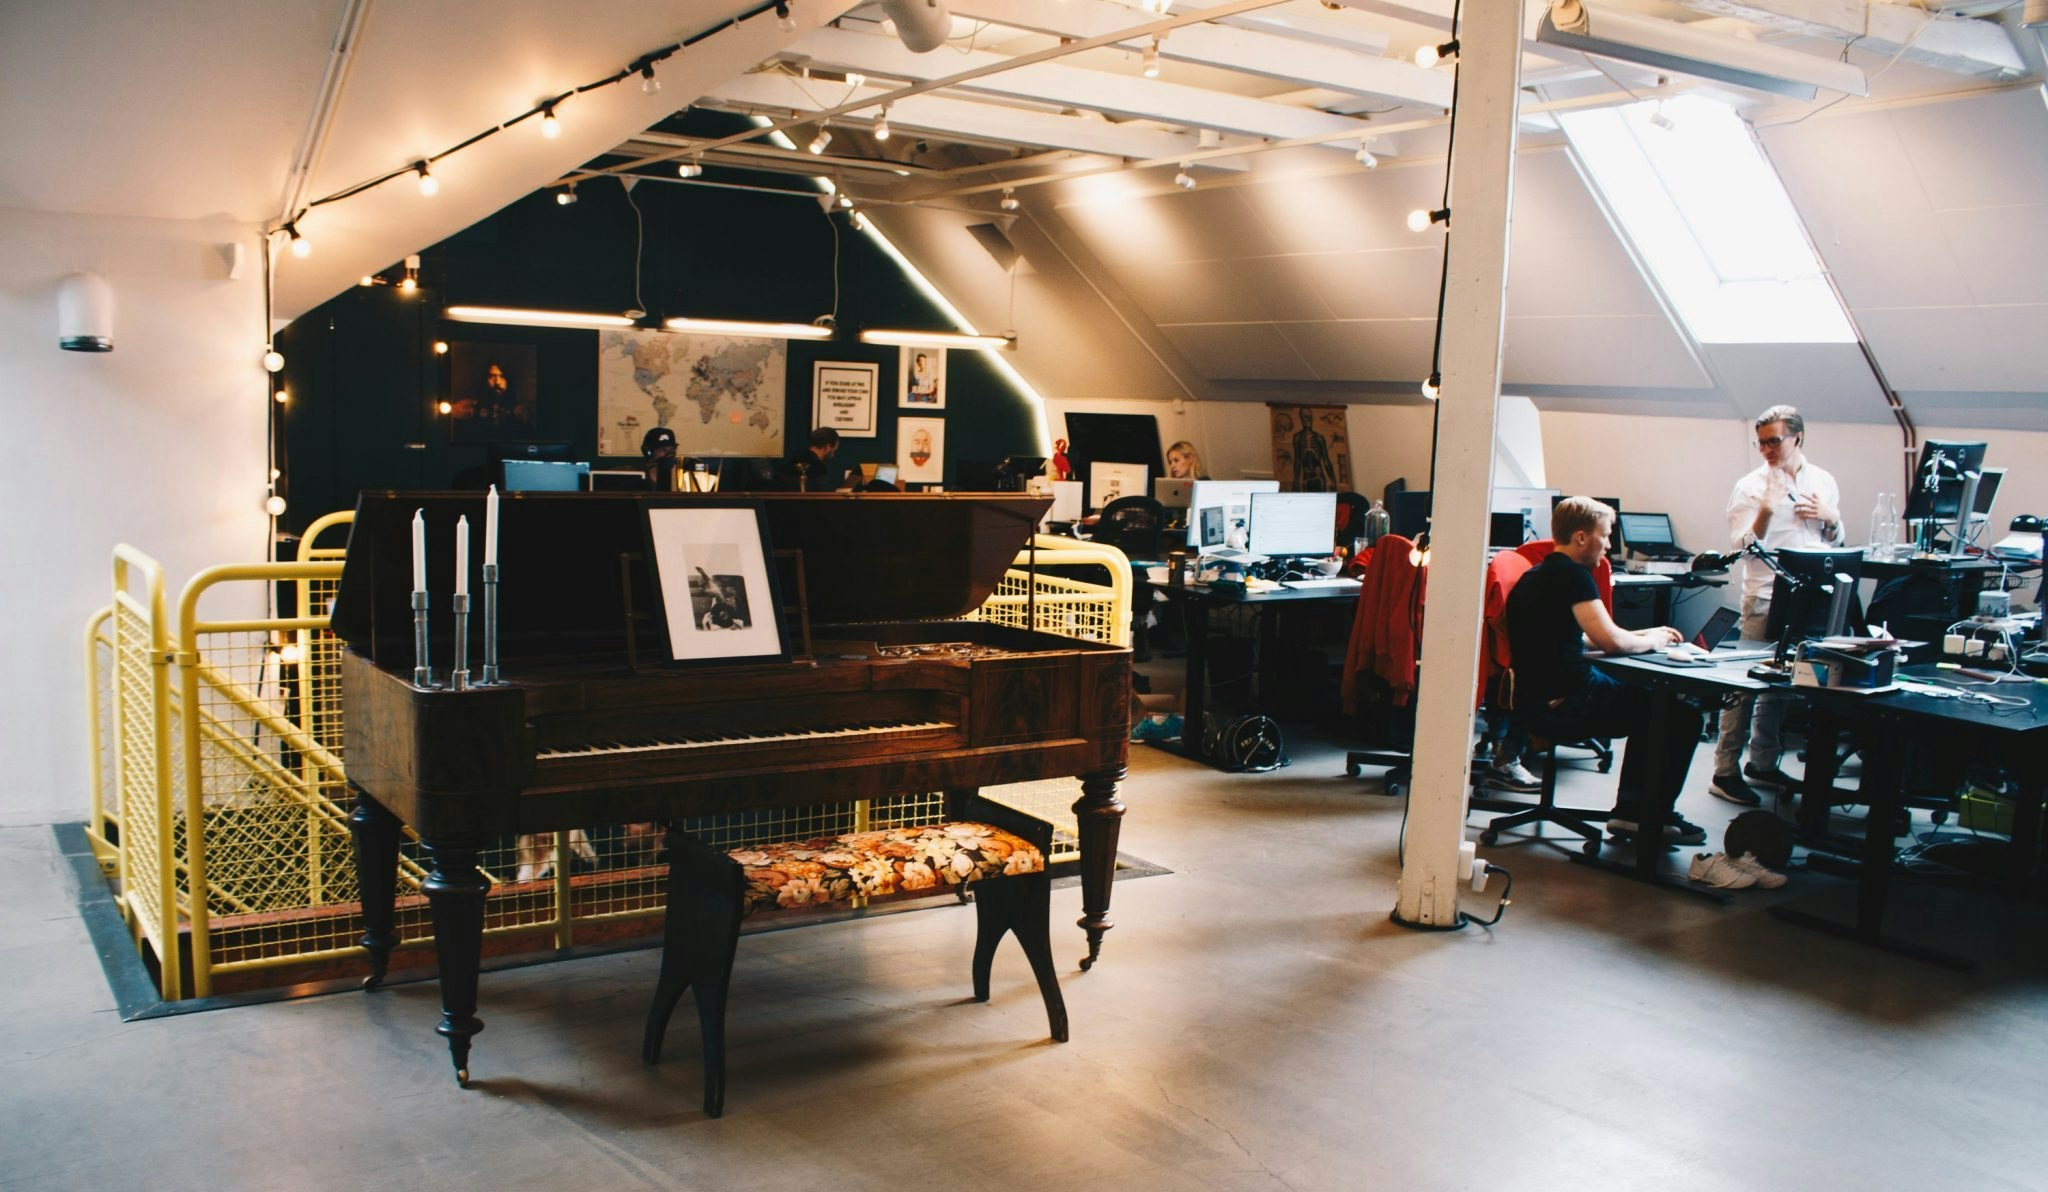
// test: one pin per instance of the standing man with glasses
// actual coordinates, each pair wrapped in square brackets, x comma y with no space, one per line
[1789,501]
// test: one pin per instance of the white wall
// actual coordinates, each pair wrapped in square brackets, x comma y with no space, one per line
[158,444]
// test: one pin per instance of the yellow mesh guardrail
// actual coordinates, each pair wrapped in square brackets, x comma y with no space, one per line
[226,787]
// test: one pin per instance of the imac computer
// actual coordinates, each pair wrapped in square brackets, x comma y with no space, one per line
[1292,524]
[1220,513]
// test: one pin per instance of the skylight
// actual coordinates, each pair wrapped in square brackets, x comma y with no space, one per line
[1711,220]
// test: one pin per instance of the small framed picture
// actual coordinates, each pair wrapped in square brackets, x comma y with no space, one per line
[843,397]
[714,581]
[921,450]
[921,383]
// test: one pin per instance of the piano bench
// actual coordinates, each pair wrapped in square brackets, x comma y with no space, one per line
[711,891]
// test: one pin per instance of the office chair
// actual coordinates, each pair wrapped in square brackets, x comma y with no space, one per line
[1351,509]
[1132,525]
[1547,730]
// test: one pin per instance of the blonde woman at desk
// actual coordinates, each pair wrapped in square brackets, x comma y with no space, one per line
[1182,463]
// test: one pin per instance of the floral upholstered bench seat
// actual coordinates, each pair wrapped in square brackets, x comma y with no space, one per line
[877,864]
[997,851]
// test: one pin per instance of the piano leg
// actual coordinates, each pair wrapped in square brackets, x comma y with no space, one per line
[376,836]
[700,936]
[1099,814]
[455,894]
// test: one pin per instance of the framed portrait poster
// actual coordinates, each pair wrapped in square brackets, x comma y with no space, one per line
[713,578]
[921,450]
[843,397]
[492,392]
[921,379]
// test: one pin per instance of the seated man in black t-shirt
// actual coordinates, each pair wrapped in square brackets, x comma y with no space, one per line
[1553,612]
[812,469]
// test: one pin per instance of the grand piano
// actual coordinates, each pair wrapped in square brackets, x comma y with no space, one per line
[592,726]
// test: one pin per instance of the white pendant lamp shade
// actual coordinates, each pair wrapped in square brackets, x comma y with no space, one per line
[85,313]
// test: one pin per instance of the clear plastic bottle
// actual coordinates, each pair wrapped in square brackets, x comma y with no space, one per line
[1378,522]
[1884,527]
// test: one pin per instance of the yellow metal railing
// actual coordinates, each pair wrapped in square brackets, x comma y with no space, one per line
[222,809]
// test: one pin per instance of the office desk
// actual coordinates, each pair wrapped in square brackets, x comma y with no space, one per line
[1667,685]
[1196,601]
[1890,727]
[1961,580]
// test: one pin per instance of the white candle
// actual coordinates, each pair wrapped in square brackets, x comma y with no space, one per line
[491,528]
[419,550]
[462,556]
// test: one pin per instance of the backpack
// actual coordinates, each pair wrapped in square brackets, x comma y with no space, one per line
[1762,833]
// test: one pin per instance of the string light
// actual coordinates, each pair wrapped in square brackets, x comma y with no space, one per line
[429,185]
[1419,220]
[818,143]
[440,347]
[649,85]
[273,360]
[566,195]
[411,280]
[549,126]
[1184,180]
[301,247]
[1429,56]
[274,506]
[446,407]
[783,20]
[281,397]
[1010,202]
[882,126]
[1150,62]
[366,280]
[1433,386]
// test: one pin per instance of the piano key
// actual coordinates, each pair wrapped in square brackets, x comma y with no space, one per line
[593,749]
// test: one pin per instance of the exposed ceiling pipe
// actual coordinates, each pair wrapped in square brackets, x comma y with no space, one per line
[921,25]
[313,143]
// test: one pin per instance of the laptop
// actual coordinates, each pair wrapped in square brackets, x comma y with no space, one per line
[1172,494]
[1715,631]
[1649,535]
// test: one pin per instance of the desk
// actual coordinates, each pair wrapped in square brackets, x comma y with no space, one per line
[1197,600]
[1892,725]
[1667,685]
[1961,580]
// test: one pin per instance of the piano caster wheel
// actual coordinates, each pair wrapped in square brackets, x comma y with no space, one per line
[462,1077]
[1591,848]
[372,983]
[1087,962]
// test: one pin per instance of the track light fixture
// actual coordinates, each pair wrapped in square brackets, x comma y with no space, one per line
[1150,62]
[549,126]
[882,126]
[429,185]
[301,247]
[1184,180]
[690,167]
[783,20]
[818,143]
[566,195]
[1661,118]
[1429,56]
[1010,202]
[1365,157]
[856,79]
[411,281]
[1419,220]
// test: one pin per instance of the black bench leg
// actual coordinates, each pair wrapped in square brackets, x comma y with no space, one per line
[1021,905]
[706,900]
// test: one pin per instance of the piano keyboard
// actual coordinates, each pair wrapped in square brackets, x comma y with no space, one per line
[657,745]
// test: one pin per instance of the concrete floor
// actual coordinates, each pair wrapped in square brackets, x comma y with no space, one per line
[1256,1023]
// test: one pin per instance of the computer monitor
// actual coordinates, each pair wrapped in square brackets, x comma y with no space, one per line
[1408,515]
[617,480]
[1823,605]
[886,473]
[1220,512]
[544,476]
[1509,529]
[1293,524]
[1939,478]
[1111,482]
[501,451]
[1987,492]
[1536,502]
[1646,533]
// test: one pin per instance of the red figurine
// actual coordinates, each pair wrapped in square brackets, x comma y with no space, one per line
[1061,469]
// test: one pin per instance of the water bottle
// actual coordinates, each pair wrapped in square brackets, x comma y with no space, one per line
[1884,527]
[1377,523]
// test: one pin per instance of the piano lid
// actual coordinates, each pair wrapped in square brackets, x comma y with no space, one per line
[867,557]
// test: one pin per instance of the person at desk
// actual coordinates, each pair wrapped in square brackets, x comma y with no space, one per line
[1182,463]
[812,469]
[1788,501]
[1553,612]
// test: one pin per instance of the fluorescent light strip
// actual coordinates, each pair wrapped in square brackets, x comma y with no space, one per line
[934,339]
[532,318]
[742,327]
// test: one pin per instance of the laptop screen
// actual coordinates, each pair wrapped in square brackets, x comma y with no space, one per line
[1715,631]
[1645,530]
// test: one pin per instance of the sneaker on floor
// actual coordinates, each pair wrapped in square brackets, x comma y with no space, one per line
[1715,869]
[1731,788]
[1510,776]
[1766,877]
[1677,829]
[1770,776]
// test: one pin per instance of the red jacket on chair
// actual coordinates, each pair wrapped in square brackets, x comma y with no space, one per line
[1502,572]
[1386,630]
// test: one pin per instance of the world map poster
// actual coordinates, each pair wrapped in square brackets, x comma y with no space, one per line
[721,395]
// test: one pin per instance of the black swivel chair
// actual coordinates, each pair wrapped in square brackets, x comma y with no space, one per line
[1134,525]
[1547,730]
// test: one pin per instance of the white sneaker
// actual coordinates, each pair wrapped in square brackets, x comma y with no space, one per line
[1716,869]
[1511,776]
[1768,878]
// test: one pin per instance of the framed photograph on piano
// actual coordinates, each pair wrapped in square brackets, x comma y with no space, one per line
[715,581]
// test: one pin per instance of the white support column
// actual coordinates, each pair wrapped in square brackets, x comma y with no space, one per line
[1482,193]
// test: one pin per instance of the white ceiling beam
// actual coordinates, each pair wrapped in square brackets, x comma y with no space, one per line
[963,118]
[1958,45]
[1241,50]
[1053,82]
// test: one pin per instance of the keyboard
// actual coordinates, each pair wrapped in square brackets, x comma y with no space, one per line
[1741,655]
[1335,581]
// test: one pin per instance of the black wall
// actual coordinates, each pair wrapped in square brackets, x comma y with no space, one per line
[365,383]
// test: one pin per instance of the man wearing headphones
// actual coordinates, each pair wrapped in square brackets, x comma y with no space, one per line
[1788,501]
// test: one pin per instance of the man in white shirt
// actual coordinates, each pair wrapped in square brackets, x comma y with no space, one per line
[1789,501]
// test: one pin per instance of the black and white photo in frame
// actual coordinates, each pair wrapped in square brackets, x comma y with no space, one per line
[714,581]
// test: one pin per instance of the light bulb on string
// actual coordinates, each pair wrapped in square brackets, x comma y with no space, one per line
[649,85]
[429,185]
[1010,202]
[1429,56]
[440,347]
[549,126]
[274,506]
[282,397]
[1433,386]
[273,360]
[446,407]
[882,126]
[783,20]
[1420,220]
[301,247]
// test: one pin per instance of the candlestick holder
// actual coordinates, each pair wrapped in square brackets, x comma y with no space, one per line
[458,678]
[489,677]
[422,670]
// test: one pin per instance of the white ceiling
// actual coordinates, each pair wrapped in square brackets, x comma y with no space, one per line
[1288,269]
